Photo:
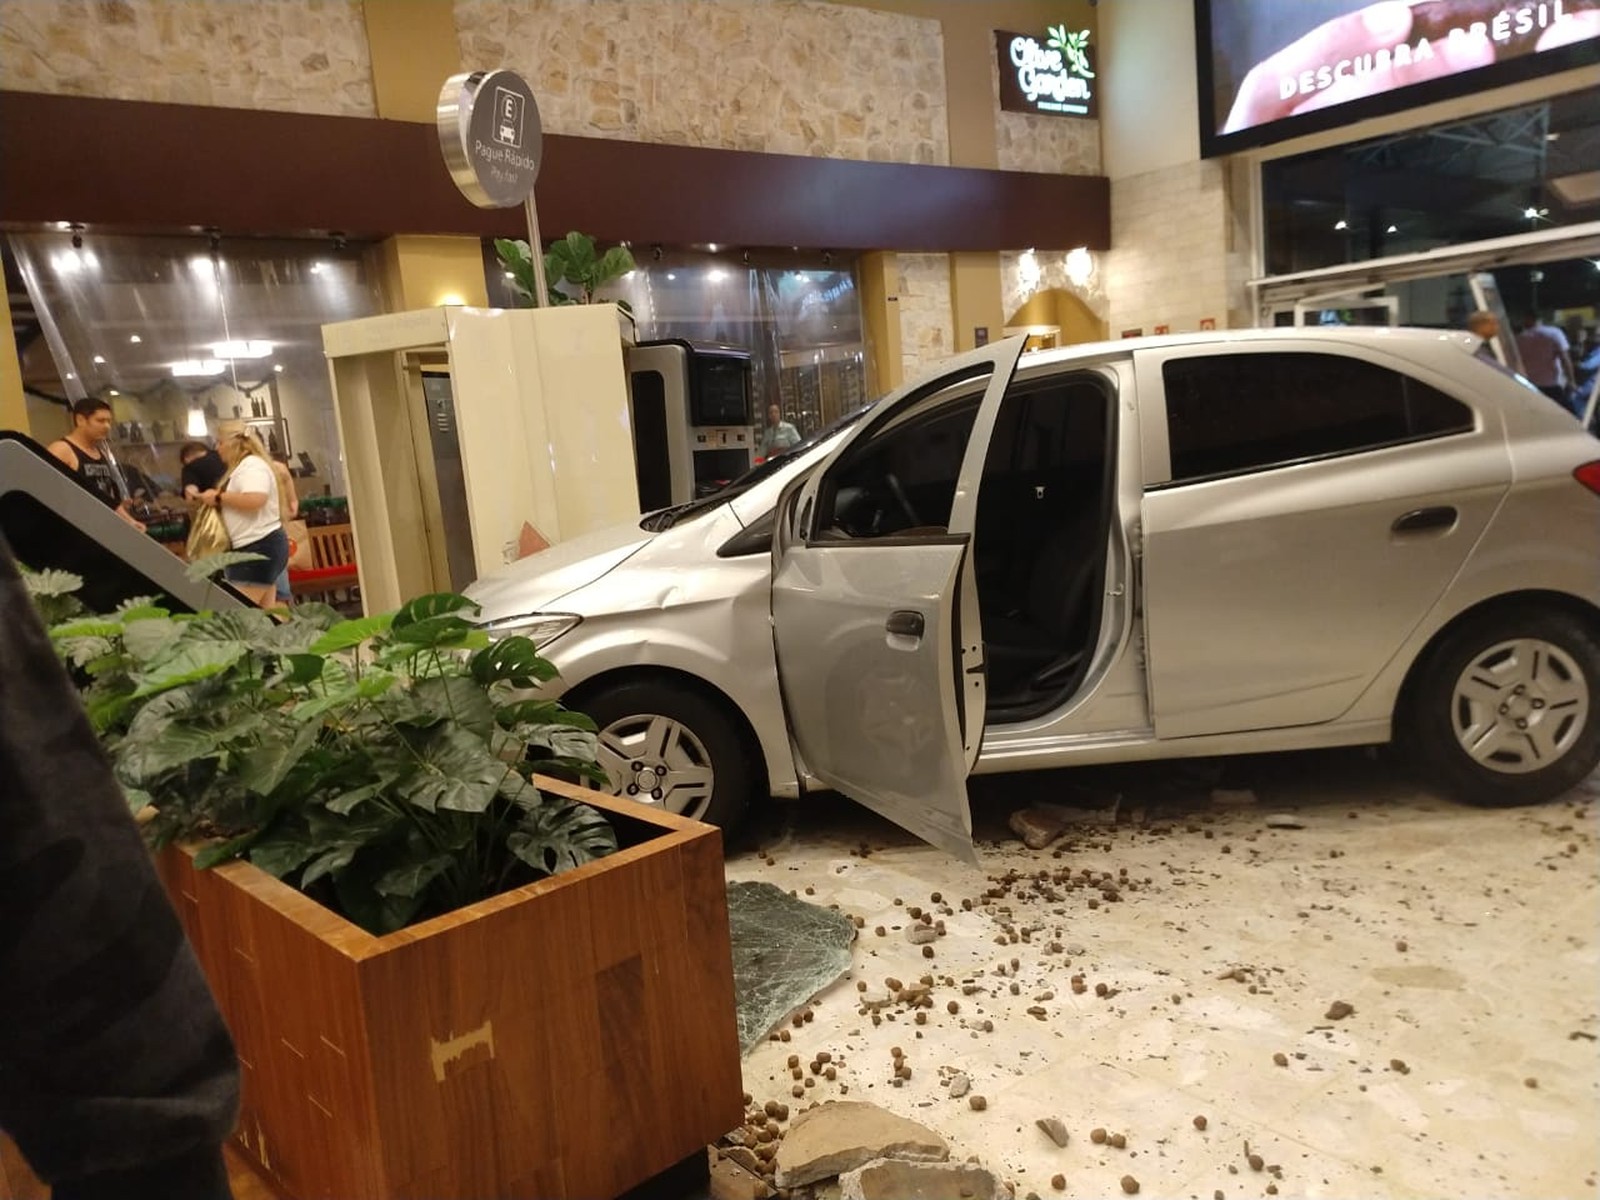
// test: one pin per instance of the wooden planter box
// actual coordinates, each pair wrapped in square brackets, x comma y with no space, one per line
[571,1038]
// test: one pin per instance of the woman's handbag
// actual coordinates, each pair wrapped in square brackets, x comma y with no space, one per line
[208,534]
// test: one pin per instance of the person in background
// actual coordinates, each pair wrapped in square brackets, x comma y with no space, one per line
[203,469]
[83,453]
[1485,326]
[1546,358]
[118,1080]
[288,510]
[780,435]
[248,502]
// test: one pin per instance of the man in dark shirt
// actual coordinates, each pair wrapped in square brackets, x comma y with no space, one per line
[83,453]
[203,468]
[117,1076]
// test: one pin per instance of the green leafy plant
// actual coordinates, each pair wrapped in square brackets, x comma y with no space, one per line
[573,260]
[382,765]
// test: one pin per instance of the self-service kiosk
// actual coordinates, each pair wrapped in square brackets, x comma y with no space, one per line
[693,424]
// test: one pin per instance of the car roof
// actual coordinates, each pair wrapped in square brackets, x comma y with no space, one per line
[1398,338]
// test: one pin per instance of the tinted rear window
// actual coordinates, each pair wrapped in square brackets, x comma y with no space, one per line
[1248,412]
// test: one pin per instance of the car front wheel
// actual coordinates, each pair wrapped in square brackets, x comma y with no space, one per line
[671,747]
[1507,711]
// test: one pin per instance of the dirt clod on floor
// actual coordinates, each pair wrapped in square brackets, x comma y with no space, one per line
[1054,1129]
[1339,1010]
[977,1103]
[1281,1059]
[1059,1182]
[1097,1136]
[1200,1123]
[1130,1185]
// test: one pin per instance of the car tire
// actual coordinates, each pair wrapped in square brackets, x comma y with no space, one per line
[1507,709]
[662,727]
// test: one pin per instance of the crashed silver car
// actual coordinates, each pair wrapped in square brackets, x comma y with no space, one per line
[1220,543]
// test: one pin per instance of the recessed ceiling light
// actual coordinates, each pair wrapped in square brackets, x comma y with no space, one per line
[1341,224]
[713,247]
[671,275]
[317,268]
[277,367]
[112,392]
[99,359]
[70,375]
[134,339]
[198,366]
[64,226]
[241,349]
[1392,229]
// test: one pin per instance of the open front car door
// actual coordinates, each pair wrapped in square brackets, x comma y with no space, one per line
[875,606]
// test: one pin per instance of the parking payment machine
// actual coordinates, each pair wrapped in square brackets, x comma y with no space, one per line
[693,424]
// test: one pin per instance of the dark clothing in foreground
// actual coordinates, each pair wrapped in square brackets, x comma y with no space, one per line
[117,1075]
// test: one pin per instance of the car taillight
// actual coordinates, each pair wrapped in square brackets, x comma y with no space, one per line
[1589,476]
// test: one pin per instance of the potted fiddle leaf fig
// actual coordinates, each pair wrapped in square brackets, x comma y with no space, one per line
[413,934]
[573,261]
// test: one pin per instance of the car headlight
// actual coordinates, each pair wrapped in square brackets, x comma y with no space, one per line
[539,628]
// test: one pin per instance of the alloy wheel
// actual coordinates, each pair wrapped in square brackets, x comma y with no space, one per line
[1519,706]
[656,760]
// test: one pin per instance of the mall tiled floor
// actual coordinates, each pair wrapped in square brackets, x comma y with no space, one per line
[1464,940]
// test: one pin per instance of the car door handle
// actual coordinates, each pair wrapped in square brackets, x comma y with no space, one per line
[907,622]
[1426,520]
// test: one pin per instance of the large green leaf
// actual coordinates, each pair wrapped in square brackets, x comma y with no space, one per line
[284,852]
[457,772]
[358,895]
[459,699]
[435,604]
[413,879]
[346,802]
[564,741]
[351,633]
[543,712]
[86,627]
[148,638]
[303,669]
[248,626]
[188,662]
[52,583]
[558,835]
[140,760]
[514,660]
[264,768]
[81,651]
[435,633]
[331,861]
[203,569]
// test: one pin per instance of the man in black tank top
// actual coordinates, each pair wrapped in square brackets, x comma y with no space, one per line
[82,453]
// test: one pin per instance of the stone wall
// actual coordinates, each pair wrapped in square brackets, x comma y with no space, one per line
[307,56]
[779,76]
[1051,145]
[927,331]
[1173,261]
[1022,275]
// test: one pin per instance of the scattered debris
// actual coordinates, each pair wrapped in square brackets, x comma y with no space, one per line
[1530,1082]
[1059,1182]
[960,1085]
[977,1103]
[1097,1136]
[1054,1129]
[1398,1066]
[1130,1185]
[1284,821]
[1200,1123]
[1281,1059]
[1339,1010]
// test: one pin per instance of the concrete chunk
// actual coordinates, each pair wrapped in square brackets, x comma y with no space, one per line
[834,1138]
[898,1180]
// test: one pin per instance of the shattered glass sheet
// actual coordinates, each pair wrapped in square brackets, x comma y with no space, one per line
[785,951]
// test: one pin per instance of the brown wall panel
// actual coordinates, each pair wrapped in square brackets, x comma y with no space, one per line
[140,166]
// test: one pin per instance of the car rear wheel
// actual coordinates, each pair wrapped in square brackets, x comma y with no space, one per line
[673,748]
[1507,711]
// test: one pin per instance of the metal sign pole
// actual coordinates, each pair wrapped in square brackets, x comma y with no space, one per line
[541,294]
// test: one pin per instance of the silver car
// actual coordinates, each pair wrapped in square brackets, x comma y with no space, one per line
[1210,544]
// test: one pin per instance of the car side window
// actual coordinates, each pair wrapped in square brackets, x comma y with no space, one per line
[1233,413]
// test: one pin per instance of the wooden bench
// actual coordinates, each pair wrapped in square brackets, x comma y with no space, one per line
[333,564]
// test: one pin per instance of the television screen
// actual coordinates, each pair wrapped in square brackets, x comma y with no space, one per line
[722,394]
[1274,69]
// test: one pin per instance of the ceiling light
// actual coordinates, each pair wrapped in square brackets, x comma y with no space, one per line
[671,275]
[509,275]
[134,339]
[241,349]
[1392,229]
[99,360]
[278,367]
[1341,225]
[713,247]
[64,226]
[317,268]
[70,375]
[193,367]
[716,275]
[450,298]
[112,392]
[1080,265]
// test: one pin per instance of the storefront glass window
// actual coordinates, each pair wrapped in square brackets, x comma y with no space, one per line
[187,342]
[1512,172]
[800,320]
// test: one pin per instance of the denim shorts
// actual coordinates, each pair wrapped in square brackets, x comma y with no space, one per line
[274,551]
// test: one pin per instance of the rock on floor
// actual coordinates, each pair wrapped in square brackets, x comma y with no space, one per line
[892,1179]
[834,1138]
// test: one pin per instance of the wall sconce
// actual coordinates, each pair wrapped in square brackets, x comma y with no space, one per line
[1080,266]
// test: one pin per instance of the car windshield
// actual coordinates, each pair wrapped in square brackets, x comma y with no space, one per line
[666,518]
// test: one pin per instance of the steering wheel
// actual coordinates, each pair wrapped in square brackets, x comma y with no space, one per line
[900,498]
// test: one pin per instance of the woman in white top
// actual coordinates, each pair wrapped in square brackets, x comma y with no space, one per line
[248,501]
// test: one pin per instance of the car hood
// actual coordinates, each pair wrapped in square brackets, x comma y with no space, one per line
[534,583]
